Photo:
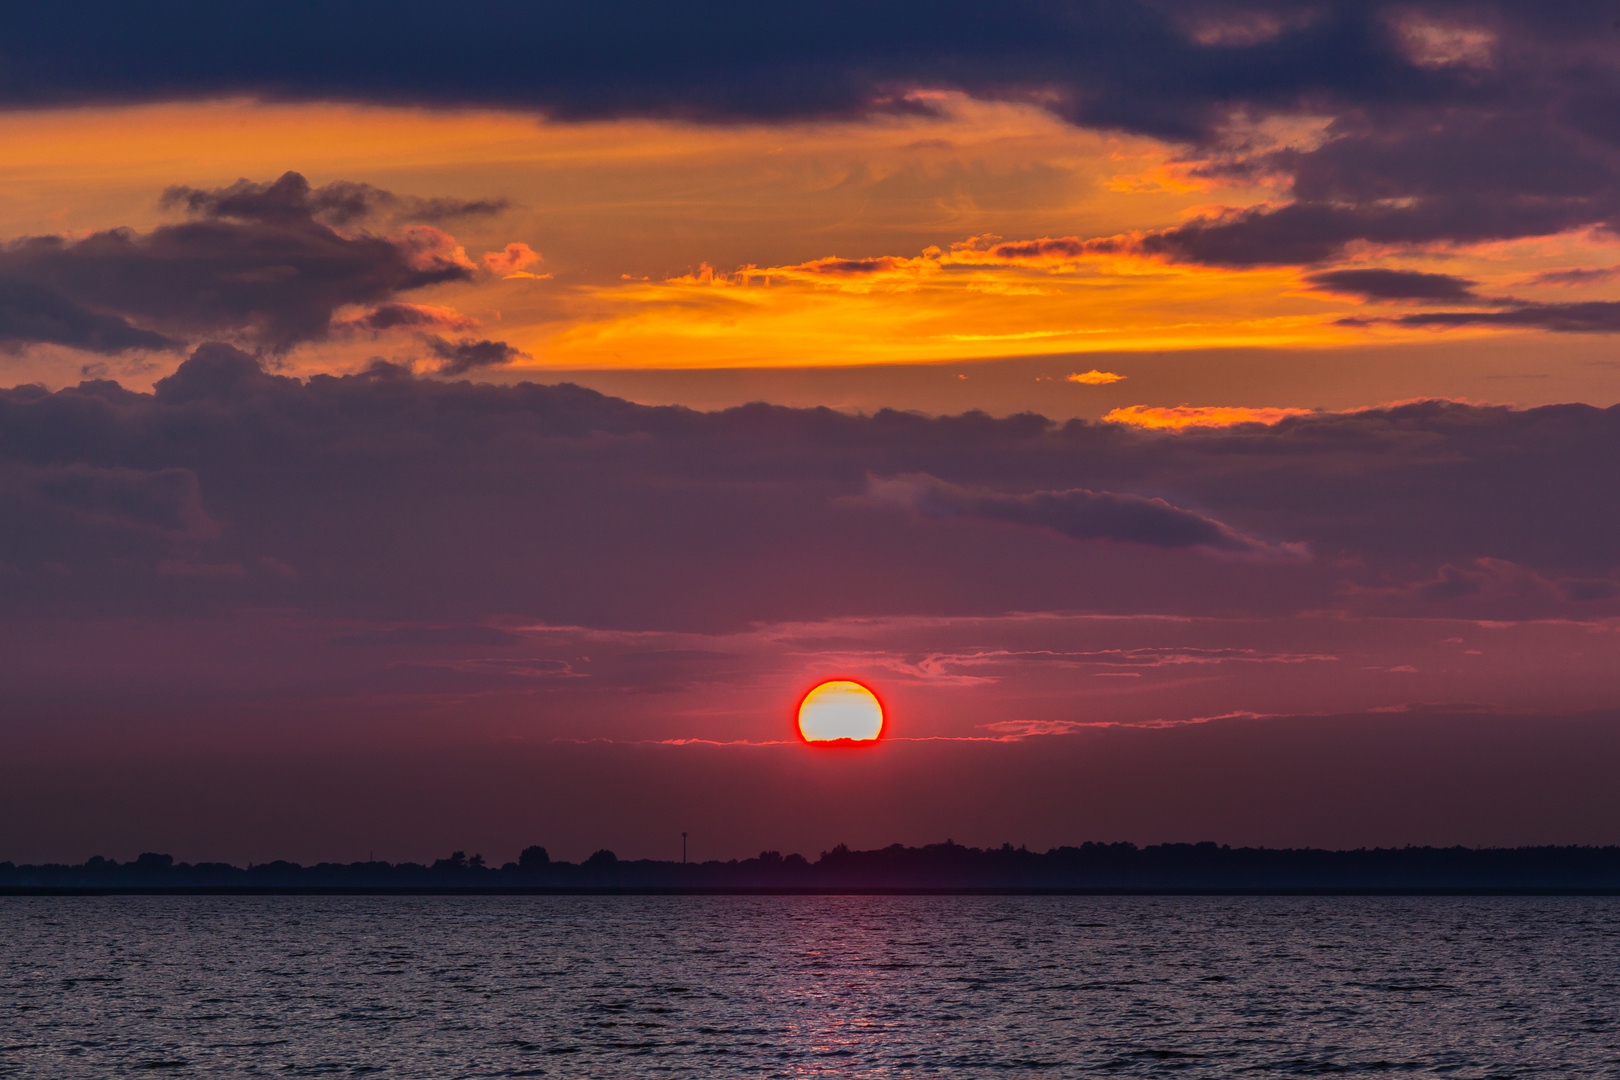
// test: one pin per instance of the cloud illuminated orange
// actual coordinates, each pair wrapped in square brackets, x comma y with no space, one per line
[512,261]
[1185,416]
[985,231]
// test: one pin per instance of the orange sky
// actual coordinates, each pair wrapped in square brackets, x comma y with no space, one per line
[673,246]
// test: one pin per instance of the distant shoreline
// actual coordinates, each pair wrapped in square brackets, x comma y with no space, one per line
[948,869]
[744,890]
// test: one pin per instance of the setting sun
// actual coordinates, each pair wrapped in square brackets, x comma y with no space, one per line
[840,710]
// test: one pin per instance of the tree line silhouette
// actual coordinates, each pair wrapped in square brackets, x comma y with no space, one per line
[936,866]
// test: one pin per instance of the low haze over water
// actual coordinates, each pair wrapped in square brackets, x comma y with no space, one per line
[808,986]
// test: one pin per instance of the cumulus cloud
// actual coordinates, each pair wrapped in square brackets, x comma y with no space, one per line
[387,497]
[215,371]
[31,312]
[460,357]
[164,502]
[263,263]
[512,261]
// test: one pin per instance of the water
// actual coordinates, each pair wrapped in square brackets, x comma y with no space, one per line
[608,987]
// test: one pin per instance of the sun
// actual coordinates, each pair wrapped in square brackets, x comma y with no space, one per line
[840,711]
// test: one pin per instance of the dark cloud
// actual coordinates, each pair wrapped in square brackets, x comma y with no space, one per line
[216,371]
[1576,276]
[161,501]
[1309,232]
[439,210]
[290,200]
[460,357]
[1591,317]
[1487,583]
[1305,233]
[1393,285]
[1579,589]
[407,316]
[1486,165]
[1064,247]
[256,262]
[1376,285]
[1447,122]
[1452,583]
[1136,65]
[383,498]
[1175,70]
[835,267]
[1077,514]
[34,313]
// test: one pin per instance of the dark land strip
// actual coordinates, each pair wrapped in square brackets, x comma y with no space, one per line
[1091,869]
[766,890]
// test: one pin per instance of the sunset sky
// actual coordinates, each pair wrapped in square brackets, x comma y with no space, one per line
[1195,420]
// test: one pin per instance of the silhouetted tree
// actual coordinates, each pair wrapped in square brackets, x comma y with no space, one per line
[455,864]
[1090,865]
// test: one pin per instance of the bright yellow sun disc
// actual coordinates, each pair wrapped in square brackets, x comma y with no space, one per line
[840,709]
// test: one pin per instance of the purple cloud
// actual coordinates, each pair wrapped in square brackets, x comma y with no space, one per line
[1077,514]
[260,262]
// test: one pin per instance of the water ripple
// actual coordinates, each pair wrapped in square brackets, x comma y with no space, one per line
[803,987]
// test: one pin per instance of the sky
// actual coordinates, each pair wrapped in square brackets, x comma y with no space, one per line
[1196,421]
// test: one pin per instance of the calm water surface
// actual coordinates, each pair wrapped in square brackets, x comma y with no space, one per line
[808,986]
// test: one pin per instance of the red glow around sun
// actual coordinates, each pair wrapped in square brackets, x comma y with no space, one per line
[840,711]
